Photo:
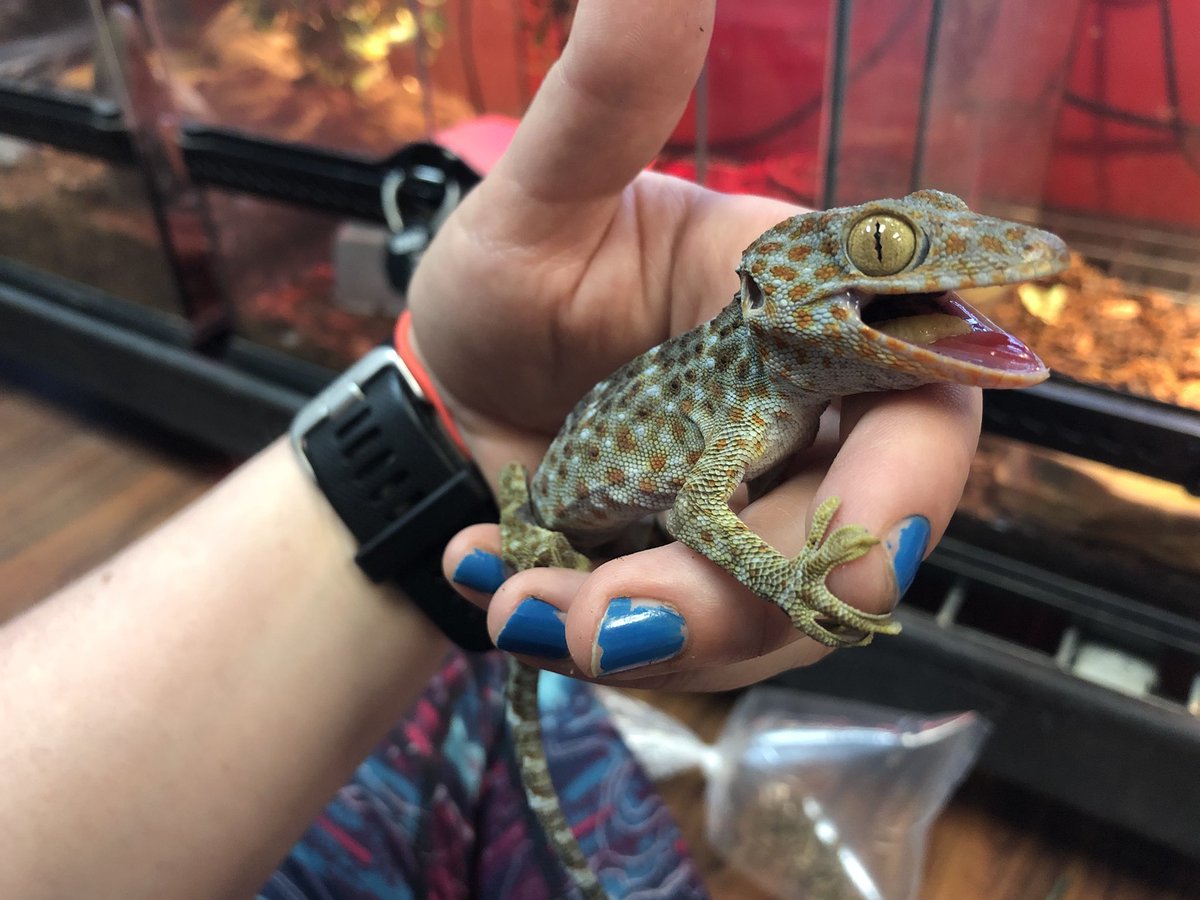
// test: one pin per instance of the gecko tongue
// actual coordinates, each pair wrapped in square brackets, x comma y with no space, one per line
[993,349]
[947,325]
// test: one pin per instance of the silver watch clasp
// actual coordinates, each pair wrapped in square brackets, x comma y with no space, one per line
[342,394]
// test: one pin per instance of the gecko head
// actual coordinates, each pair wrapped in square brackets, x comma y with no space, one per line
[876,284]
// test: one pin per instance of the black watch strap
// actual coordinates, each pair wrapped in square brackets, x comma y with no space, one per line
[377,451]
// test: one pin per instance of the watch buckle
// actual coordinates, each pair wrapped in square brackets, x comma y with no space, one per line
[340,395]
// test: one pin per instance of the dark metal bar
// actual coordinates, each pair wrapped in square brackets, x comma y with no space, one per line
[923,109]
[91,126]
[838,76]
[142,362]
[1134,433]
[339,184]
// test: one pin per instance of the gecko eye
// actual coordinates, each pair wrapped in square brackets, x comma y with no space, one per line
[881,244]
[752,295]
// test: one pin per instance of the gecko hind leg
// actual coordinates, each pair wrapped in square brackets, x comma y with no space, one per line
[525,544]
[809,603]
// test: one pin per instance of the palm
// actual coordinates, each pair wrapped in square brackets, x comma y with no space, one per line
[542,316]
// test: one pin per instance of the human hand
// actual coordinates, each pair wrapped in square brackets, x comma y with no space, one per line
[567,261]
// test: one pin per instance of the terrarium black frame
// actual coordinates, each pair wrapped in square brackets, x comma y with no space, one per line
[195,375]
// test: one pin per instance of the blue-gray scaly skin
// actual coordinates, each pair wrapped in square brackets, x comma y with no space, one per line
[682,425]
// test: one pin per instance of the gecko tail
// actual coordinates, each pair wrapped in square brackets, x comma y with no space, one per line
[524,721]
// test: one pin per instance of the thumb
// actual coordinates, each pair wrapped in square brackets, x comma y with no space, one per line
[604,111]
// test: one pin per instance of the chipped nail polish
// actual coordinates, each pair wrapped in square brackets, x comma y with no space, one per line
[637,633]
[906,545]
[534,629]
[480,571]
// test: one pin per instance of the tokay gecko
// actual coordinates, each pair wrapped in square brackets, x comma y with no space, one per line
[831,303]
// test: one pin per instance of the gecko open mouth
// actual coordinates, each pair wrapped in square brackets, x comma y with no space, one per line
[946,325]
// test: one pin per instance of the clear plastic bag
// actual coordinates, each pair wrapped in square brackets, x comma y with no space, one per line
[811,796]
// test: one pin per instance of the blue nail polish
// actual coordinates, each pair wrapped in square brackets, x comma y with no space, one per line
[906,545]
[535,629]
[636,633]
[480,571]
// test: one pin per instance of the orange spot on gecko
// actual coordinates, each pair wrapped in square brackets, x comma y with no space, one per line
[799,292]
[802,319]
[840,312]
[626,442]
[827,272]
[658,462]
[992,243]
[786,273]
[956,244]
[799,252]
[614,475]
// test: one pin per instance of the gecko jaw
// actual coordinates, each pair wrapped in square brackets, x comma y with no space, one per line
[941,332]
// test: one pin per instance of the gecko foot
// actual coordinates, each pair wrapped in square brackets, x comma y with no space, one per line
[524,544]
[810,604]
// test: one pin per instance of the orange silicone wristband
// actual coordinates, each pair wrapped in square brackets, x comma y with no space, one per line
[403,341]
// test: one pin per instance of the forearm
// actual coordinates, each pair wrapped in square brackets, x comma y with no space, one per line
[172,721]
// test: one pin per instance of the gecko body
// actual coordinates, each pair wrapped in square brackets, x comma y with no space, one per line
[830,304]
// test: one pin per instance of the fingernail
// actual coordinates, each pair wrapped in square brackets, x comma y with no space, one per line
[906,545]
[636,633]
[480,571]
[535,629]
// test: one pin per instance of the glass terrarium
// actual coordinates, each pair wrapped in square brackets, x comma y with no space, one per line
[74,204]
[1086,121]
[49,45]
[361,76]
[354,81]
[83,219]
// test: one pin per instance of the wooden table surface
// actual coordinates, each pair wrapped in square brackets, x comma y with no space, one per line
[80,481]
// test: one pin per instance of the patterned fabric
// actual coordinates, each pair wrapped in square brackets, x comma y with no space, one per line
[437,810]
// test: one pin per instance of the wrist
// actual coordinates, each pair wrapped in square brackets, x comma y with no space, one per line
[375,448]
[318,531]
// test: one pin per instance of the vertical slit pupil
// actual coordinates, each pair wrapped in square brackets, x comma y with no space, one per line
[879,241]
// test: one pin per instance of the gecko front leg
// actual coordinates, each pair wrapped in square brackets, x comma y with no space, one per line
[702,519]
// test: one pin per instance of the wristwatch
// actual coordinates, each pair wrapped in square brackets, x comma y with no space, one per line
[373,443]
